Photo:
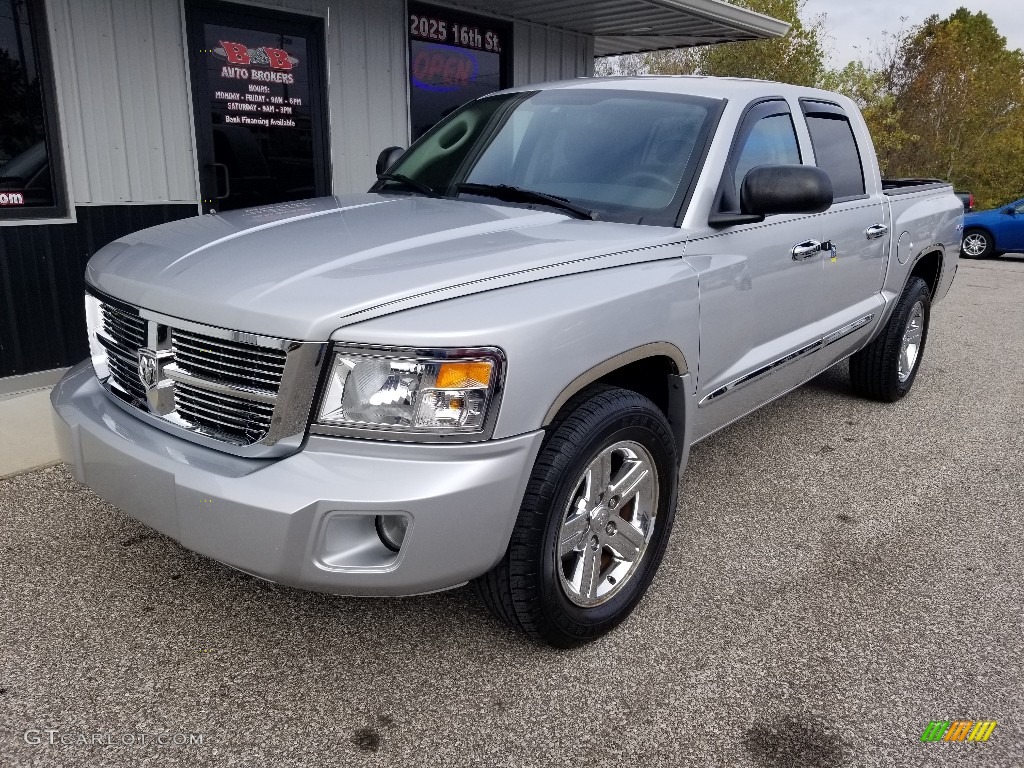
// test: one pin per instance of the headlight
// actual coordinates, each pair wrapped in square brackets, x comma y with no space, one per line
[435,392]
[93,322]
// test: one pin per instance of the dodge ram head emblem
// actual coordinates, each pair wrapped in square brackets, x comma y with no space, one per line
[159,388]
[149,368]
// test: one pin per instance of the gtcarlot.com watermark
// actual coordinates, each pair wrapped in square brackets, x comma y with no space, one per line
[38,737]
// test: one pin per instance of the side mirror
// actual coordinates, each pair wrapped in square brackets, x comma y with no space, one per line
[1010,211]
[771,189]
[387,158]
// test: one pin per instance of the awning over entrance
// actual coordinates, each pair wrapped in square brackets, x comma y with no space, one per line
[630,26]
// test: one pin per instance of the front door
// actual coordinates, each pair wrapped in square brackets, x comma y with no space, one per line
[1011,238]
[260,108]
[760,285]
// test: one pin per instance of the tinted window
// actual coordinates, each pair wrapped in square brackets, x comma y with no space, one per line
[772,141]
[27,182]
[836,153]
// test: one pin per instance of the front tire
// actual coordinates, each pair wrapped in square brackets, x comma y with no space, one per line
[594,522]
[977,244]
[886,368]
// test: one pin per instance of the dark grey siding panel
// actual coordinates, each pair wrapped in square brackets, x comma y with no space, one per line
[42,320]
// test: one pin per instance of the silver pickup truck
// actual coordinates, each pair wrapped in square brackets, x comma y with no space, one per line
[492,366]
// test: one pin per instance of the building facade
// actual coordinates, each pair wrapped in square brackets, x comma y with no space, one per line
[123,114]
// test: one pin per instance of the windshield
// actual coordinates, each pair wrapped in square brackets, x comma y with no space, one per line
[626,155]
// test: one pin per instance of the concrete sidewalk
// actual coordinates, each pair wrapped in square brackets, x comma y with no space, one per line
[27,440]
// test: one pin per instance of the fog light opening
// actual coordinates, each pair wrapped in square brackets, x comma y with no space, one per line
[391,529]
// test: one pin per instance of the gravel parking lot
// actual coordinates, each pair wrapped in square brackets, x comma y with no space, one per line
[841,573]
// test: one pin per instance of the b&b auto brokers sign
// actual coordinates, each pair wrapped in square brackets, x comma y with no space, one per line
[255,84]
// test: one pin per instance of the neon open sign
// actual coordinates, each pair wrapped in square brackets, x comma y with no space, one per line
[442,68]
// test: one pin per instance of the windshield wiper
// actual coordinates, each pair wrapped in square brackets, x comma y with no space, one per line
[401,178]
[519,195]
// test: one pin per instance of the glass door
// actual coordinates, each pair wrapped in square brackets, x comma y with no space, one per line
[259,103]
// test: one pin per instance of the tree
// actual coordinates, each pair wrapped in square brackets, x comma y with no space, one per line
[959,93]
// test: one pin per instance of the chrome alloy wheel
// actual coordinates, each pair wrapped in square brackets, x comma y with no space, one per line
[975,244]
[910,349]
[607,524]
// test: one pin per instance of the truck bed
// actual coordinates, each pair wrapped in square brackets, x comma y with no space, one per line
[893,187]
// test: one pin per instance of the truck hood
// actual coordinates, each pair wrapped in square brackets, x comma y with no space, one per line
[301,270]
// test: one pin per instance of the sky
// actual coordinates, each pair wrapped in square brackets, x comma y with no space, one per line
[853,24]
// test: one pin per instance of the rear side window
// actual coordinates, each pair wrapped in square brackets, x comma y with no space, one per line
[835,148]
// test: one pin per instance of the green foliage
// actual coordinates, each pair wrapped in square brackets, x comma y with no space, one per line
[961,96]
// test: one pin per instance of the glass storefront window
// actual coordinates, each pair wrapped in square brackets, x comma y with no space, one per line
[453,58]
[29,167]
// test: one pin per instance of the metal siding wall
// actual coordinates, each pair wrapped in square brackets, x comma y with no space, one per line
[121,76]
[369,104]
[543,53]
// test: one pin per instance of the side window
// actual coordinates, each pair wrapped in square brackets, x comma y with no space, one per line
[766,136]
[835,148]
[772,141]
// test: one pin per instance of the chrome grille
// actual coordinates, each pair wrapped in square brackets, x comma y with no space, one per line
[228,361]
[123,335]
[224,415]
[245,368]
[215,384]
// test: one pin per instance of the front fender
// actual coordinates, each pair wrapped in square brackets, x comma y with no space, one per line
[557,332]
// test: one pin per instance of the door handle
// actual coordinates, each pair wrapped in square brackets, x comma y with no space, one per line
[227,180]
[806,250]
[876,231]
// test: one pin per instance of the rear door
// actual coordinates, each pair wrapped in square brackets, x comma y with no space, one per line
[760,284]
[856,231]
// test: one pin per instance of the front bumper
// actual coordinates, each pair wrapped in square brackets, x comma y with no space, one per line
[305,520]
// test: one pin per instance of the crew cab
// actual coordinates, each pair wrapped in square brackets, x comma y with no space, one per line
[492,366]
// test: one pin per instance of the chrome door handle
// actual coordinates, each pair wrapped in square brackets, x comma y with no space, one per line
[875,232]
[806,250]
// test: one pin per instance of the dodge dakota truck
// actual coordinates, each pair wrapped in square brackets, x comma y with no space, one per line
[491,367]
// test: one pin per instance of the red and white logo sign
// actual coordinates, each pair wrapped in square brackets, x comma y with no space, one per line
[12,198]
[243,56]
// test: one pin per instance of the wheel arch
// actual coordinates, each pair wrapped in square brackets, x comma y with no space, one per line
[654,370]
[928,267]
[644,369]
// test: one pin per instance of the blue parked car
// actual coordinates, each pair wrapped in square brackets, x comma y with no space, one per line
[991,233]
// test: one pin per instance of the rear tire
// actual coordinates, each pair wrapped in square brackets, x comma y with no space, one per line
[593,524]
[886,368]
[977,244]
